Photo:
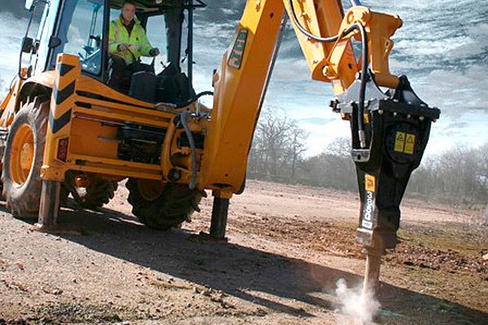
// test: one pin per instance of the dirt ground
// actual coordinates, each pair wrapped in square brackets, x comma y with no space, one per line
[287,248]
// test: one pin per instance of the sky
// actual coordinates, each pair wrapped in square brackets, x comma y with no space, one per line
[442,47]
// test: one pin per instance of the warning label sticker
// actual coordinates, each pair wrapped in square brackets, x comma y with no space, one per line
[399,141]
[370,183]
[404,142]
[409,143]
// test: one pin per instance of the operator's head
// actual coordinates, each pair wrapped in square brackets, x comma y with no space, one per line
[128,10]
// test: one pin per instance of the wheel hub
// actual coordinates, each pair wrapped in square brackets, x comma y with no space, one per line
[150,190]
[26,156]
[22,156]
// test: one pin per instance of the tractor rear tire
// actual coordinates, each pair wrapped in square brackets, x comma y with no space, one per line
[161,205]
[97,193]
[22,160]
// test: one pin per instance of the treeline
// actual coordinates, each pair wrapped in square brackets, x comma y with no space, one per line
[458,176]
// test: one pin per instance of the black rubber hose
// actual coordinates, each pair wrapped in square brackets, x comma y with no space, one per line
[306,32]
[364,79]
[204,93]
[364,62]
[189,135]
[315,37]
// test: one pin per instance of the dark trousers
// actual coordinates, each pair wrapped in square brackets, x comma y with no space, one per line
[121,73]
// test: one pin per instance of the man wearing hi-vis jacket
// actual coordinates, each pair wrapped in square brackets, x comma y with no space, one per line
[127,43]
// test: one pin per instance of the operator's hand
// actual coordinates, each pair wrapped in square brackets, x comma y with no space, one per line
[123,47]
[154,52]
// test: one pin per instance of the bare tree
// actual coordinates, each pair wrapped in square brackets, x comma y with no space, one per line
[296,147]
[333,168]
[340,146]
[457,176]
[277,146]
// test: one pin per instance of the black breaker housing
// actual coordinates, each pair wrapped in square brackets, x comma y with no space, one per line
[396,125]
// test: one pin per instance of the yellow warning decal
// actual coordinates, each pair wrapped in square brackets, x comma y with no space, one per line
[370,183]
[399,141]
[409,143]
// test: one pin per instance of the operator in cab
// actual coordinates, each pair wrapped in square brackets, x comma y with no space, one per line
[127,43]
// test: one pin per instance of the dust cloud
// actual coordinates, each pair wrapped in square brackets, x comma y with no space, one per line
[361,309]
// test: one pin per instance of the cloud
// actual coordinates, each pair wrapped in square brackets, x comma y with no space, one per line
[316,121]
[12,32]
[454,91]
[468,128]
[2,84]
[229,12]
[14,7]
[320,136]
[291,70]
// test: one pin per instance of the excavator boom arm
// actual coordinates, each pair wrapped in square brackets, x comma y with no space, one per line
[324,33]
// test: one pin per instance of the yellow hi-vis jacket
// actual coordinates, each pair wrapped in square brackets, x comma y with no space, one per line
[118,34]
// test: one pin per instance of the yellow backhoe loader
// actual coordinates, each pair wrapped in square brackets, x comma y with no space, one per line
[65,130]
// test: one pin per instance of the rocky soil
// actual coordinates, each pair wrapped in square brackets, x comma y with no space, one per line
[287,248]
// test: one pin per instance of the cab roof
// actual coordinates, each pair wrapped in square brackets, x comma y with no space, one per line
[147,5]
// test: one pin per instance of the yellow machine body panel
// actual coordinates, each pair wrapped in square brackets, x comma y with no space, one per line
[238,87]
[87,114]
[322,18]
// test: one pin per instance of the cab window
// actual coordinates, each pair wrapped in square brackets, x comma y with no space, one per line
[80,32]
[156,33]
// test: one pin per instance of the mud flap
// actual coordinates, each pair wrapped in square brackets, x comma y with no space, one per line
[396,127]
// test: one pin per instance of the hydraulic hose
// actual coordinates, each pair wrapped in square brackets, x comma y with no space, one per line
[204,93]
[362,89]
[306,32]
[189,135]
[364,62]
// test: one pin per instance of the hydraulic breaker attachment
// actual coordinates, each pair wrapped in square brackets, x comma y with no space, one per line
[389,135]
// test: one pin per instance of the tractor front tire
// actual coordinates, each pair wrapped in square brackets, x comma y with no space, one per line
[23,157]
[161,205]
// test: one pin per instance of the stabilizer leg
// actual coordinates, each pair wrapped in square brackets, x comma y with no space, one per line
[49,211]
[49,206]
[218,224]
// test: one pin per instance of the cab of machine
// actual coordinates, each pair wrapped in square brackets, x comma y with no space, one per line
[81,28]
